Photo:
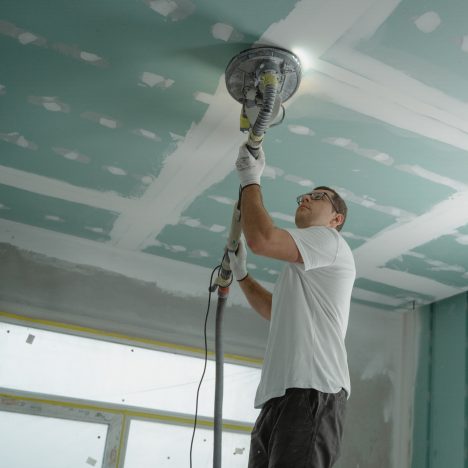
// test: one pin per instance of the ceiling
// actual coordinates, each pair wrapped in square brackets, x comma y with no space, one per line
[118,136]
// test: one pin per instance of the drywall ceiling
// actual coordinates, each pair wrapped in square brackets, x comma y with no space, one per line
[118,137]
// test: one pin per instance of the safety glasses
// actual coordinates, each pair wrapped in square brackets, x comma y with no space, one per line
[315,195]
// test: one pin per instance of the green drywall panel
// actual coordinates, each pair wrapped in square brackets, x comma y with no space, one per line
[437,260]
[192,59]
[55,214]
[448,385]
[368,137]
[452,275]
[432,58]
[381,288]
[422,396]
[445,249]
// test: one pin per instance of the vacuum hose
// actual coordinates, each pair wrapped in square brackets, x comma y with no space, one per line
[257,132]
[254,143]
[219,385]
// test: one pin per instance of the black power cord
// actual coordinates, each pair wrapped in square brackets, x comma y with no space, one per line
[206,360]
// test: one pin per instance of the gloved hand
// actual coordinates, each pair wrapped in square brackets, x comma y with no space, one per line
[238,261]
[250,169]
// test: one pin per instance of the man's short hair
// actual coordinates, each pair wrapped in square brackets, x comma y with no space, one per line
[339,203]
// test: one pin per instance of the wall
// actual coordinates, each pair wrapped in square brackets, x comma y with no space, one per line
[381,344]
[440,433]
[382,362]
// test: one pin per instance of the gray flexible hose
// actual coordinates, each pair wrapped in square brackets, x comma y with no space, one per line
[254,143]
[264,116]
[218,404]
[263,119]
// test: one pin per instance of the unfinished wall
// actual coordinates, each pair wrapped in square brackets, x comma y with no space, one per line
[380,344]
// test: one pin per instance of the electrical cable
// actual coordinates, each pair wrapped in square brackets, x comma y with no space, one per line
[206,360]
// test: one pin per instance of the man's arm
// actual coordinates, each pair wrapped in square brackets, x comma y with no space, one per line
[262,236]
[257,296]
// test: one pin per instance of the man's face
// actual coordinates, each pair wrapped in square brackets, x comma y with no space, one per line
[312,212]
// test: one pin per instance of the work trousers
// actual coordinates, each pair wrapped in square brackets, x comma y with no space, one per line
[301,429]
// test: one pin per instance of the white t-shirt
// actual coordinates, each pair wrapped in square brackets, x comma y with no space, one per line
[309,318]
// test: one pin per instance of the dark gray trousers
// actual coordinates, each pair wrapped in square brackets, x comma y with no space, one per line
[301,429]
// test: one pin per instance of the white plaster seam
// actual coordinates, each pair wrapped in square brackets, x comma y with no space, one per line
[63,190]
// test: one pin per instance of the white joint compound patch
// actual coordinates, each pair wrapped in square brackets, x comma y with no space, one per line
[433,177]
[272,172]
[109,123]
[176,137]
[222,31]
[147,134]
[90,57]
[53,218]
[17,139]
[49,103]
[301,130]
[282,217]
[428,22]
[271,272]
[196,223]
[223,200]
[191,222]
[24,37]
[435,265]
[78,54]
[352,146]
[97,230]
[464,43]
[217,228]
[100,119]
[71,155]
[115,170]
[367,202]
[163,7]
[27,38]
[226,33]
[176,10]
[199,254]
[462,239]
[169,247]
[298,180]
[203,97]
[147,180]
[151,80]
[2,89]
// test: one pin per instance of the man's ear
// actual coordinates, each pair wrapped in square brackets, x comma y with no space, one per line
[337,220]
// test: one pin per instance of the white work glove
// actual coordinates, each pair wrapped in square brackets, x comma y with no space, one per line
[249,169]
[238,261]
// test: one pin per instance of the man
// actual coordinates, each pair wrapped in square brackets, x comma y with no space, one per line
[305,380]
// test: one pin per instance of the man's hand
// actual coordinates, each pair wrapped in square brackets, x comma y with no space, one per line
[250,169]
[238,261]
